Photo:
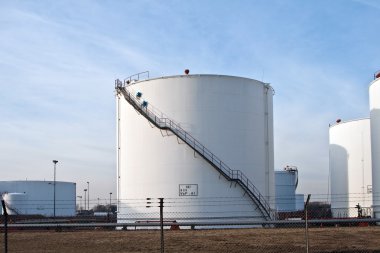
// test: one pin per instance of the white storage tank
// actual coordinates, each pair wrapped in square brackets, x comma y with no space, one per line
[350,168]
[37,197]
[286,182]
[231,117]
[374,98]
[16,203]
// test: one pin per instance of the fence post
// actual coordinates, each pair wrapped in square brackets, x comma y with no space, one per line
[5,226]
[306,223]
[162,224]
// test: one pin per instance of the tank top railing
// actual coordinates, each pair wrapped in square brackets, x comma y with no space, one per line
[136,77]
[230,174]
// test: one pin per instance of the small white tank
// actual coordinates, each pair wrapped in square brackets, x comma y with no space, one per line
[286,182]
[374,98]
[350,168]
[37,197]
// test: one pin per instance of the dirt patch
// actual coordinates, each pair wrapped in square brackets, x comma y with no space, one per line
[349,239]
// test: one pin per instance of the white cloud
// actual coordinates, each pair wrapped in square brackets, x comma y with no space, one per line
[58,63]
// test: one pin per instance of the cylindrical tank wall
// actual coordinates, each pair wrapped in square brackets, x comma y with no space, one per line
[37,197]
[16,203]
[285,190]
[350,168]
[300,202]
[231,116]
[374,97]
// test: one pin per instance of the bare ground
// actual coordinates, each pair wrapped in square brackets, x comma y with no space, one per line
[348,239]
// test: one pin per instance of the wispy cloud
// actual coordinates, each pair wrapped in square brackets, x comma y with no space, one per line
[369,3]
[58,62]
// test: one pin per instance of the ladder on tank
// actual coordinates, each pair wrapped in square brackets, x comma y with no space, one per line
[165,123]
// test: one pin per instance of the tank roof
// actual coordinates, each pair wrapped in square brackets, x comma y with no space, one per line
[203,75]
[374,81]
[347,121]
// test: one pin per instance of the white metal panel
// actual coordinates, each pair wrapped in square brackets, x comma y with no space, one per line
[40,195]
[350,167]
[374,97]
[231,116]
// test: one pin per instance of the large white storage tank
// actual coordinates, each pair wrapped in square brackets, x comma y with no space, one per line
[350,168]
[374,97]
[37,197]
[231,116]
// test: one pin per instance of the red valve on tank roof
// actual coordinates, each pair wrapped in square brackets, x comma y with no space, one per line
[338,120]
[187,71]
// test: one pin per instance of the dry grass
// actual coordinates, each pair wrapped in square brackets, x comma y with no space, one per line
[354,239]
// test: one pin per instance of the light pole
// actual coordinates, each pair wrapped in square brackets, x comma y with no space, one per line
[85,195]
[55,166]
[110,200]
[88,195]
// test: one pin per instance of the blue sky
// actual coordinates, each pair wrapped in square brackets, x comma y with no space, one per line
[59,59]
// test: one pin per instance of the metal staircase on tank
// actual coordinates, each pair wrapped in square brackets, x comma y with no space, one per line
[165,123]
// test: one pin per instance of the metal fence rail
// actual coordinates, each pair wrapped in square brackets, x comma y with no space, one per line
[200,225]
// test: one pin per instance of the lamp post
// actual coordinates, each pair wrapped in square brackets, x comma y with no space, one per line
[110,200]
[55,166]
[85,195]
[88,195]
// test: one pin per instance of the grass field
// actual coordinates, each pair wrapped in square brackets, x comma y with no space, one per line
[347,239]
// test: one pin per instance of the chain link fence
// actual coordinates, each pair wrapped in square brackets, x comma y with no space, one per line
[136,227]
